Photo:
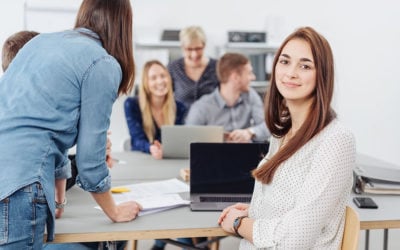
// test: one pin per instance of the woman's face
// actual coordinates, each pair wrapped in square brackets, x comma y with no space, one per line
[193,53]
[295,71]
[158,81]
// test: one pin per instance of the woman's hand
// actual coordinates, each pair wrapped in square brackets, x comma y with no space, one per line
[127,211]
[59,212]
[123,212]
[60,185]
[156,150]
[238,206]
[227,221]
[240,135]
[229,214]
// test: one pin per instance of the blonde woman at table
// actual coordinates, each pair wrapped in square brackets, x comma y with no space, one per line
[303,184]
[57,92]
[153,107]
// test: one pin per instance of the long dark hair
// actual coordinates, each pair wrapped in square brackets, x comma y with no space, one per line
[320,114]
[112,21]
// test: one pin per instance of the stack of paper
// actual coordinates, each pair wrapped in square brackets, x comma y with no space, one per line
[376,187]
[376,180]
[153,196]
[160,203]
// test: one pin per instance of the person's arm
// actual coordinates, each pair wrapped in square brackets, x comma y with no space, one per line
[99,90]
[259,128]
[133,116]
[63,170]
[320,199]
[62,173]
[123,212]
[197,114]
[230,214]
[257,131]
[240,135]
[156,150]
[60,199]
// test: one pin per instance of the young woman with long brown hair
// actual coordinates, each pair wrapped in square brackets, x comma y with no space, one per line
[303,184]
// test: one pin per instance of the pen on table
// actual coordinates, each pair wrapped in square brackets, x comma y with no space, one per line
[119,161]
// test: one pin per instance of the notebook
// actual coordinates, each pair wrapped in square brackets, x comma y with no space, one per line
[220,173]
[176,139]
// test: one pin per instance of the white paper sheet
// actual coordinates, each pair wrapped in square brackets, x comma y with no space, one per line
[154,196]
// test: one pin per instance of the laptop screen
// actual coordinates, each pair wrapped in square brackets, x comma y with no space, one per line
[176,139]
[224,167]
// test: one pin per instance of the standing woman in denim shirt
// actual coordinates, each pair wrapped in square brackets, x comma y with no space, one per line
[155,106]
[57,92]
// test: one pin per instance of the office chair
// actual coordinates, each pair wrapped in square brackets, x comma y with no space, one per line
[351,230]
[127,144]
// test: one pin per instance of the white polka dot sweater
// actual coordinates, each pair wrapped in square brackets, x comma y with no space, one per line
[304,206]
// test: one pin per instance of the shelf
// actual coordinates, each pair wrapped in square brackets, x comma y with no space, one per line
[260,87]
[159,45]
[259,84]
[250,48]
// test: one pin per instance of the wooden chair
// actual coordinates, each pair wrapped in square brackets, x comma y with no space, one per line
[351,230]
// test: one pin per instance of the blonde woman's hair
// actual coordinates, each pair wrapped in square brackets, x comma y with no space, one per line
[169,107]
[192,33]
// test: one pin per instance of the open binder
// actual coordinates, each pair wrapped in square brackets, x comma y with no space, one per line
[376,180]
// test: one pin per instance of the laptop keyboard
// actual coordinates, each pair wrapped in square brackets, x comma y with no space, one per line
[224,199]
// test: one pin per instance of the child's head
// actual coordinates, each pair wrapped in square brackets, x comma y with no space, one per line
[13,44]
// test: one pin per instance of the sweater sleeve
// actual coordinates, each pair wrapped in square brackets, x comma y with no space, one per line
[257,113]
[133,116]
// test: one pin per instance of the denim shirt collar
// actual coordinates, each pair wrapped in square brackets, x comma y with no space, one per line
[90,34]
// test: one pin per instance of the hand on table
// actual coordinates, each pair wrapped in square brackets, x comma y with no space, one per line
[229,214]
[156,150]
[127,211]
[239,135]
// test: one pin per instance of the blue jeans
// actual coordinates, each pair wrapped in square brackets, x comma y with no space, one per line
[23,217]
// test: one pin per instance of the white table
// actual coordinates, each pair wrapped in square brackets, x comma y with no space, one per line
[82,223]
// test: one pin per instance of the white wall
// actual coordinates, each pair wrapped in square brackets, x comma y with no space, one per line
[364,36]
[11,18]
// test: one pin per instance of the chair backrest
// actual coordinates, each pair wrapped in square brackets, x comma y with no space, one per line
[127,144]
[351,230]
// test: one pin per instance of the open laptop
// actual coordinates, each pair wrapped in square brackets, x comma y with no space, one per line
[176,139]
[220,173]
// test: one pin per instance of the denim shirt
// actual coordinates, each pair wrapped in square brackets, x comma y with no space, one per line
[57,92]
